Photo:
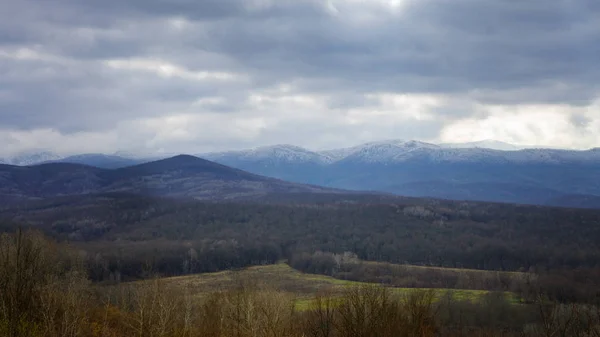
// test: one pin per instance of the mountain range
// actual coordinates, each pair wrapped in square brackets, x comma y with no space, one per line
[486,170]
[412,168]
[179,176]
[30,158]
[125,158]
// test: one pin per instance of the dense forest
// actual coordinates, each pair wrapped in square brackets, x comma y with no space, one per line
[127,237]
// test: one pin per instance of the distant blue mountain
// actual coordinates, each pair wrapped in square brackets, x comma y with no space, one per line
[412,168]
[179,176]
[100,160]
[468,171]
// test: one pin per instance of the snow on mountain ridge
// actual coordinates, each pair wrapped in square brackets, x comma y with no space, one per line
[32,158]
[280,152]
[398,151]
[377,151]
[387,151]
[401,151]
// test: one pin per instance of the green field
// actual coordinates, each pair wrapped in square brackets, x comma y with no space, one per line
[303,287]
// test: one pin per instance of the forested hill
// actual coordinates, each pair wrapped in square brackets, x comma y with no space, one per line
[224,235]
[180,176]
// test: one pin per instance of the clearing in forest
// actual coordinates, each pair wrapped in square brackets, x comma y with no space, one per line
[283,278]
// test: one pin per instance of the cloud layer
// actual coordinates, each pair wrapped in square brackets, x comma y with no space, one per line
[194,76]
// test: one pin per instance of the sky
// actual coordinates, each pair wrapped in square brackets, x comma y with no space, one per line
[188,76]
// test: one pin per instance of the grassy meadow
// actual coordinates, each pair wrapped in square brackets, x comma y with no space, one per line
[302,286]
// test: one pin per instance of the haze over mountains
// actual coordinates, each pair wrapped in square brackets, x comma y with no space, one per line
[30,158]
[412,168]
[486,170]
[125,158]
[179,176]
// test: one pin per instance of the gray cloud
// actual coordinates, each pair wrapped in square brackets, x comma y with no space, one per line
[580,121]
[55,60]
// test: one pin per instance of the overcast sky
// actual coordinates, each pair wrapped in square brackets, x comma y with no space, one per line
[195,76]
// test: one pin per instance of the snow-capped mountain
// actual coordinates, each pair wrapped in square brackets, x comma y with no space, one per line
[285,162]
[379,151]
[282,153]
[31,158]
[397,151]
[402,151]
[91,159]
[486,170]
[414,168]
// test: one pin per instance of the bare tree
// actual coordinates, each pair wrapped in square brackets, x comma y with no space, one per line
[320,320]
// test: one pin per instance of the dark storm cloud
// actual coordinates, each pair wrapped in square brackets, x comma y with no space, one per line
[433,46]
[73,96]
[493,51]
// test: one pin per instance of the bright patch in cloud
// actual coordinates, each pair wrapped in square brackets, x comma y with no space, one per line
[542,125]
[166,69]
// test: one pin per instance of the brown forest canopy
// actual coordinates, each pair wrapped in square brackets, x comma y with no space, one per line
[415,231]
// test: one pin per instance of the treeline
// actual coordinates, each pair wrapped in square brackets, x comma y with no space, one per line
[44,292]
[127,261]
[347,266]
[130,261]
[580,285]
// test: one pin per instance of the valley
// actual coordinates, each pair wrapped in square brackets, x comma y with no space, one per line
[140,247]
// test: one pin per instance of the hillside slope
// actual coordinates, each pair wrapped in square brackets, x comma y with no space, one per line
[100,160]
[180,176]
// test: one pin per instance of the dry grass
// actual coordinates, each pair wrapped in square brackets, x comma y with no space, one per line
[279,277]
[282,277]
[458,270]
